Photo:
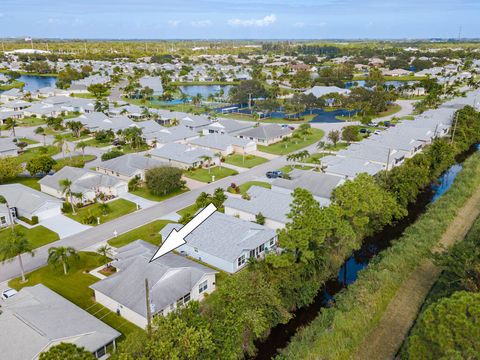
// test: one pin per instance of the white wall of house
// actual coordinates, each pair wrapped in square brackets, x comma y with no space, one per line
[212,260]
[125,312]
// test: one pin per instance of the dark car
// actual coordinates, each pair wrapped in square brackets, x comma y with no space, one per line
[274,174]
[116,142]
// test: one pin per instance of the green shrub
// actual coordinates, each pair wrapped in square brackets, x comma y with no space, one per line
[34,220]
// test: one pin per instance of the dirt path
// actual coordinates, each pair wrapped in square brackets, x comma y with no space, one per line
[387,337]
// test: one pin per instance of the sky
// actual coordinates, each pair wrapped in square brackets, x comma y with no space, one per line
[240,19]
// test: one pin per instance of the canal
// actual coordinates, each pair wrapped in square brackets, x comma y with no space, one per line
[281,334]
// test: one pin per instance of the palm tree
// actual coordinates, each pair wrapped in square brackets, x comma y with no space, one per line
[15,245]
[106,251]
[41,131]
[3,200]
[104,208]
[81,145]
[66,186]
[60,142]
[174,122]
[62,254]
[10,124]
[207,159]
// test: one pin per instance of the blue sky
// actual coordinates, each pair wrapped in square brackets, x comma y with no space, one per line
[239,19]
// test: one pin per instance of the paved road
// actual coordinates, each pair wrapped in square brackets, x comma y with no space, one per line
[406,109]
[116,93]
[103,232]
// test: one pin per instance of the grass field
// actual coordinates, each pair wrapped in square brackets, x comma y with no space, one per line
[204,175]
[315,157]
[75,287]
[118,208]
[27,181]
[148,232]
[247,161]
[27,140]
[31,121]
[29,154]
[246,186]
[97,144]
[37,236]
[75,161]
[145,193]
[290,145]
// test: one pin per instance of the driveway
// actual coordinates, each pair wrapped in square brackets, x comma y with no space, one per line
[140,201]
[64,226]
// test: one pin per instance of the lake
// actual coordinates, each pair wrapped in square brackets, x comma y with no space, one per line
[204,90]
[33,82]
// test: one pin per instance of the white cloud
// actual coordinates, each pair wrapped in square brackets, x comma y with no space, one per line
[173,23]
[266,21]
[201,23]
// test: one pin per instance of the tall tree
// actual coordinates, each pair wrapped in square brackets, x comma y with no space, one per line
[62,255]
[13,246]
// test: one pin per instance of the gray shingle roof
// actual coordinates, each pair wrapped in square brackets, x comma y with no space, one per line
[25,198]
[37,317]
[273,205]
[7,144]
[82,179]
[181,153]
[350,167]
[129,164]
[224,236]
[319,184]
[266,132]
[219,141]
[170,277]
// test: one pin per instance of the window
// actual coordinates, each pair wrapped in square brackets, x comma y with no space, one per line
[202,287]
[183,300]
[272,242]
[241,260]
[3,220]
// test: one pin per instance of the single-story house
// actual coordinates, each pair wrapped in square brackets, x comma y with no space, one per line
[37,318]
[27,202]
[225,144]
[376,153]
[5,217]
[7,114]
[128,166]
[154,83]
[42,109]
[266,134]
[349,168]
[97,121]
[193,122]
[17,105]
[183,156]
[8,147]
[319,91]
[228,126]
[173,281]
[174,134]
[273,205]
[226,242]
[86,182]
[319,184]
[11,95]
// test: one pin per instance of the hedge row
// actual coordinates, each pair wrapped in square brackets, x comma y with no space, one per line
[338,331]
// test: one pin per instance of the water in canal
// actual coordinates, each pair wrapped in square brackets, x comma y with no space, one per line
[33,82]
[281,334]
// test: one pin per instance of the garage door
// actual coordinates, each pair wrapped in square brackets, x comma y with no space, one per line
[48,213]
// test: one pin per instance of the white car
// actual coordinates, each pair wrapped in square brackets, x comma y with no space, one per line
[377,132]
[8,293]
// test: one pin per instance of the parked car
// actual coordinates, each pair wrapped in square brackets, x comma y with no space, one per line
[116,142]
[8,293]
[274,174]
[377,132]
[365,131]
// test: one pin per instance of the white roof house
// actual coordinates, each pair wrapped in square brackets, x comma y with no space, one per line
[266,134]
[37,318]
[349,168]
[173,281]
[226,242]
[154,83]
[182,156]
[273,205]
[225,144]
[128,166]
[86,182]
[28,202]
[320,91]
[8,147]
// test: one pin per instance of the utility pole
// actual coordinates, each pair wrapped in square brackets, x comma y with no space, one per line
[454,127]
[388,158]
[149,310]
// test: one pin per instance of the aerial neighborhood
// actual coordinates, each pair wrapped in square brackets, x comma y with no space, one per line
[306,149]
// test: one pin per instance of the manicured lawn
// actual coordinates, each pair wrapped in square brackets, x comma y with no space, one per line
[148,232]
[127,149]
[28,141]
[287,168]
[76,161]
[246,186]
[291,145]
[27,181]
[118,208]
[37,236]
[392,109]
[75,287]
[97,144]
[204,175]
[71,137]
[12,85]
[31,121]
[188,210]
[247,161]
[145,193]
[312,159]
[29,154]
[337,147]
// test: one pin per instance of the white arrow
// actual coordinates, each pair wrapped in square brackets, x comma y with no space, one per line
[176,238]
